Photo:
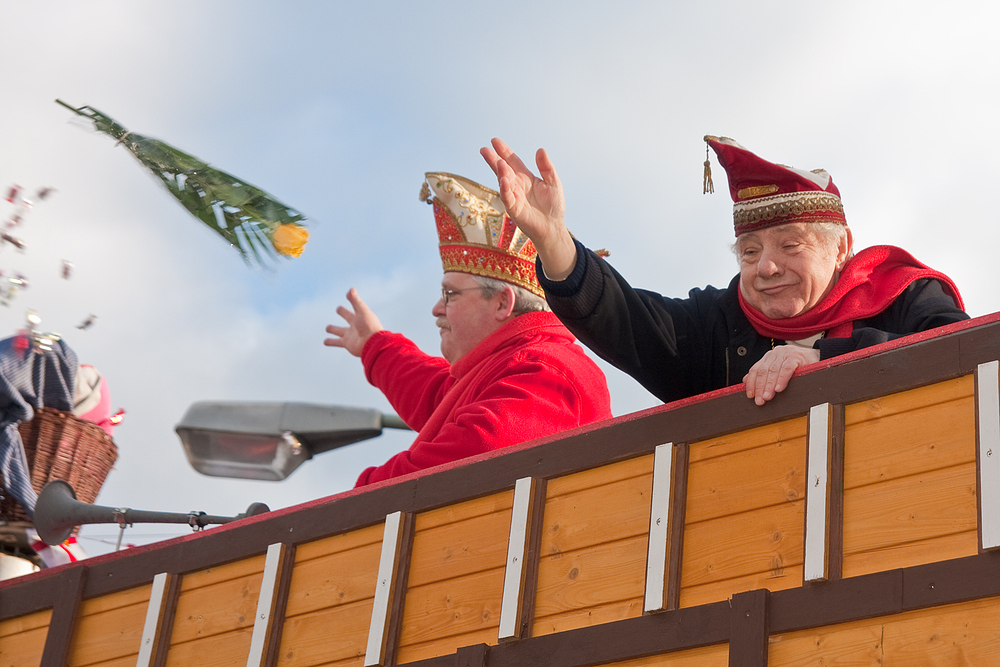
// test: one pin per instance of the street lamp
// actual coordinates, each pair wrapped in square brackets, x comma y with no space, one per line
[267,441]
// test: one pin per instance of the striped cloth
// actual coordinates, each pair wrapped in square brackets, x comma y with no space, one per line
[29,379]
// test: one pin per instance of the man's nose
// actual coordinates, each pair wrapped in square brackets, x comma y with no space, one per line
[438,310]
[769,264]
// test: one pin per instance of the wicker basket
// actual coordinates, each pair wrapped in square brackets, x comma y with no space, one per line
[60,446]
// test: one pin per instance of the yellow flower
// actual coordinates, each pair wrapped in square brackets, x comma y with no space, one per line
[289,239]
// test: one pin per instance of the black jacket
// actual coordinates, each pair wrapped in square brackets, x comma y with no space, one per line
[681,347]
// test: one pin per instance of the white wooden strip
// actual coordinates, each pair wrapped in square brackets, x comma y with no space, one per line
[154,619]
[657,553]
[816,560]
[517,551]
[387,567]
[265,605]
[988,412]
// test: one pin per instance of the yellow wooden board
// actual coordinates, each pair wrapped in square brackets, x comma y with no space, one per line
[457,549]
[327,636]
[739,441]
[220,608]
[23,649]
[965,634]
[597,515]
[764,540]
[497,502]
[589,579]
[705,656]
[600,476]
[109,627]
[18,624]
[957,545]
[435,648]
[225,650]
[220,573]
[881,517]
[771,474]
[337,543]
[457,606]
[338,578]
[910,433]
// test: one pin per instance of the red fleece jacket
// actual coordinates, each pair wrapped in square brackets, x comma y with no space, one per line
[526,380]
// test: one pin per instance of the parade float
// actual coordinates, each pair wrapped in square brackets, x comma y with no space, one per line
[854,519]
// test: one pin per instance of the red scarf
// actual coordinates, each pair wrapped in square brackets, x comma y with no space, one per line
[869,283]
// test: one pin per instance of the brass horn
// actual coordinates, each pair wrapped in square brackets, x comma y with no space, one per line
[58,512]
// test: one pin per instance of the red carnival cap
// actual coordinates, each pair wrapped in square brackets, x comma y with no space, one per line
[766,194]
[475,235]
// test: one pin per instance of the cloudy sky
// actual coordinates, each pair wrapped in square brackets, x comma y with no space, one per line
[339,108]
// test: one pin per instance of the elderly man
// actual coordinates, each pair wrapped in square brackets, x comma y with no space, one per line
[510,373]
[800,296]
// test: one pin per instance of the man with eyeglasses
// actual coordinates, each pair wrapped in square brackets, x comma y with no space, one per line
[510,372]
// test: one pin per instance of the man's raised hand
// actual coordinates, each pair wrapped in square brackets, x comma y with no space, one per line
[362,324]
[535,204]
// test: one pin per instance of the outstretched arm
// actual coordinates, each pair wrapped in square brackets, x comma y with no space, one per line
[362,324]
[536,205]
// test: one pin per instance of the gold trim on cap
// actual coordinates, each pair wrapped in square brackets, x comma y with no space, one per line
[756,191]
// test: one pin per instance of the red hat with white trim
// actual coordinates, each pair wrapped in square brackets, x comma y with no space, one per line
[766,194]
[475,234]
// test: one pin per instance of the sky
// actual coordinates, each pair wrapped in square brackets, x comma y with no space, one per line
[338,109]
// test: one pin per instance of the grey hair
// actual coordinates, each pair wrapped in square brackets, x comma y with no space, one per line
[524,301]
[829,234]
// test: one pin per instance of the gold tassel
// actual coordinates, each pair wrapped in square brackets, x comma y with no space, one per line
[603,252]
[708,186]
[425,193]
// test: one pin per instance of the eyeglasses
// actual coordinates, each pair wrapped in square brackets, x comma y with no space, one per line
[448,294]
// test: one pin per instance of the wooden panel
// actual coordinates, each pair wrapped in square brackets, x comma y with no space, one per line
[433,649]
[23,643]
[771,474]
[335,579]
[330,599]
[908,510]
[769,434]
[498,502]
[597,515]
[964,634]
[223,602]
[907,433]
[437,618]
[706,656]
[912,399]
[220,573]
[594,539]
[109,627]
[458,549]
[337,543]
[126,661]
[776,580]
[328,636]
[581,618]
[600,476]
[223,650]
[765,540]
[933,550]
[589,580]
[13,626]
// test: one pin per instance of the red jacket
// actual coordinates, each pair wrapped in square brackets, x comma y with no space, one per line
[526,380]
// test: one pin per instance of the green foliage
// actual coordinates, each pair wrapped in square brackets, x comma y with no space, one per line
[239,212]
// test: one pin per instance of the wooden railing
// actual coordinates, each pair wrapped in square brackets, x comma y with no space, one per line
[850,519]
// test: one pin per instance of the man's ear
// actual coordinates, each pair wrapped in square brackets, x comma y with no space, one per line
[844,251]
[505,304]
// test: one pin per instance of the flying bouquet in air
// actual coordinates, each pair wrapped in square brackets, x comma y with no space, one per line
[252,221]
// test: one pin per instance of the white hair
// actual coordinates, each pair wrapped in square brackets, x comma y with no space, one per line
[525,301]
